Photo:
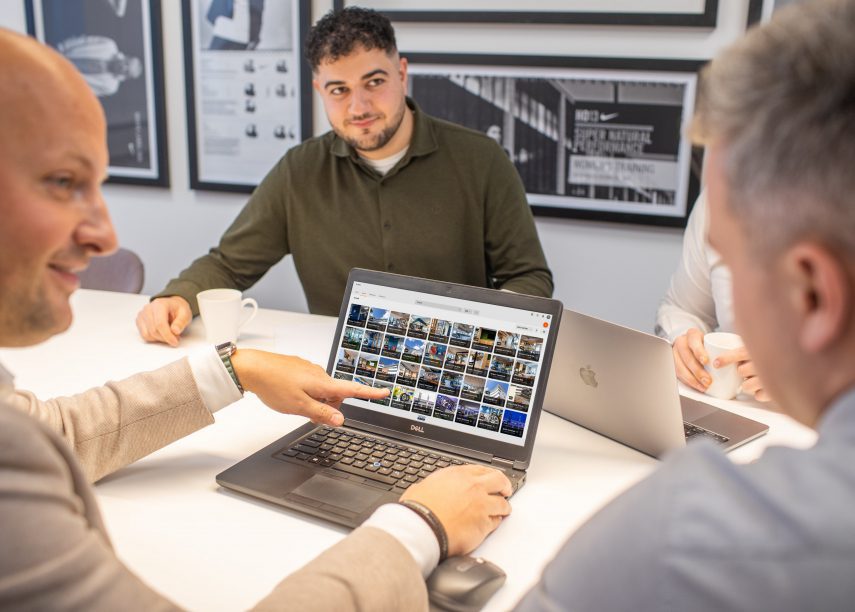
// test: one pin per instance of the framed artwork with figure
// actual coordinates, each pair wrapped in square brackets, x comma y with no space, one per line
[117,46]
[249,89]
[592,138]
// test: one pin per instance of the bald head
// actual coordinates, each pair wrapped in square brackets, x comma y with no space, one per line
[53,159]
[37,82]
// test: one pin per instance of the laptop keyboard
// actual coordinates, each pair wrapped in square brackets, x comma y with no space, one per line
[384,464]
[693,432]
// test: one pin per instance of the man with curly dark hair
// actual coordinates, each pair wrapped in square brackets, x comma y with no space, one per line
[388,188]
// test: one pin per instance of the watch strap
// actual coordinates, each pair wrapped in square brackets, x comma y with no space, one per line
[225,351]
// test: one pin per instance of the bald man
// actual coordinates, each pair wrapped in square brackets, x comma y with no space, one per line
[56,552]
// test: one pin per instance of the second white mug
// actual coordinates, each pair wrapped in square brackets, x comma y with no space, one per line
[224,313]
[726,381]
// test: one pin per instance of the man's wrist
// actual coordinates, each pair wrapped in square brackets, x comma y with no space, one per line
[427,515]
[225,351]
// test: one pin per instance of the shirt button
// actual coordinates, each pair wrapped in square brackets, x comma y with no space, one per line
[387,225]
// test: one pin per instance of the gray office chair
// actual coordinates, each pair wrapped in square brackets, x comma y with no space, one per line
[121,271]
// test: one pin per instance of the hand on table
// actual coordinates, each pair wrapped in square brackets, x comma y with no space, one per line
[295,386]
[163,319]
[469,500]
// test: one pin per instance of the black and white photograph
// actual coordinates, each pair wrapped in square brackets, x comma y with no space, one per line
[117,47]
[591,138]
[668,13]
[249,92]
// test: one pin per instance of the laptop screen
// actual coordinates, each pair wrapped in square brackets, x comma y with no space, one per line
[466,366]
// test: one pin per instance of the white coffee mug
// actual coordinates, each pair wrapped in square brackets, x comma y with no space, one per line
[726,381]
[222,312]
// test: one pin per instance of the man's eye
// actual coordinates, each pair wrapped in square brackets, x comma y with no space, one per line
[337,91]
[63,182]
[375,82]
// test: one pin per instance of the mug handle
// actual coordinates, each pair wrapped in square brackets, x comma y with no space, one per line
[251,314]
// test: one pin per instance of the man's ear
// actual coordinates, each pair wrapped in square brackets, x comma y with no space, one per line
[402,68]
[820,292]
[317,86]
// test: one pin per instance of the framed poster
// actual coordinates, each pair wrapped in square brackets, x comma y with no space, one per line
[117,46]
[248,88]
[761,10]
[592,138]
[683,13]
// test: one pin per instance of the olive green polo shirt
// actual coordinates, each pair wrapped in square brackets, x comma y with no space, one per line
[453,209]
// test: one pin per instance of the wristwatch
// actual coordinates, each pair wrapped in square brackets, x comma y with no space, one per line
[225,351]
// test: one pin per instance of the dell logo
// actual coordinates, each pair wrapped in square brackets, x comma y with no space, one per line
[417,428]
[588,376]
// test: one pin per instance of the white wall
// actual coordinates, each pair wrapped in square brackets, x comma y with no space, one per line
[615,271]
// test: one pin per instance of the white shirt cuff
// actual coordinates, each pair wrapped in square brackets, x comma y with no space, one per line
[411,531]
[216,386]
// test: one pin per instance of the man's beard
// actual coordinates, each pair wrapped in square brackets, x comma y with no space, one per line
[27,319]
[377,141]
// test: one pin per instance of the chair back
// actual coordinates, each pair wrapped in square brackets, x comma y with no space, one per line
[121,271]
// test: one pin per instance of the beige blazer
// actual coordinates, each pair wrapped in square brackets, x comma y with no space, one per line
[54,550]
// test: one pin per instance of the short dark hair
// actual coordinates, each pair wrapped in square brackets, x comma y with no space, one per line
[337,33]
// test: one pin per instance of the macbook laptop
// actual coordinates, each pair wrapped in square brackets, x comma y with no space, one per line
[466,369]
[620,382]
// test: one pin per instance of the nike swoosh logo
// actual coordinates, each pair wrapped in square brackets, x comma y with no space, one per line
[607,117]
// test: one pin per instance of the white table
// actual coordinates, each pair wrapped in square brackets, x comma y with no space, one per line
[210,549]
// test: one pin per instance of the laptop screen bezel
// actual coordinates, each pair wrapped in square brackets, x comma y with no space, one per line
[433,435]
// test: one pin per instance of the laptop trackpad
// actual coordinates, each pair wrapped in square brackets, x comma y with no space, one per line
[336,492]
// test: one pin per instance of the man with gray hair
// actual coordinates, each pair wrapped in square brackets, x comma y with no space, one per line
[777,114]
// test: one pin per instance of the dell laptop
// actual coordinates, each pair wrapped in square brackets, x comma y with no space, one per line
[620,382]
[466,369]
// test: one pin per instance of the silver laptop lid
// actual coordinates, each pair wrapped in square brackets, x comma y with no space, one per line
[616,381]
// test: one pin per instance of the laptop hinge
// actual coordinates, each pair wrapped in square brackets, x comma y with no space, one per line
[503,464]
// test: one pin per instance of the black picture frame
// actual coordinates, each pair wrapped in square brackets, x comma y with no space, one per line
[641,170]
[232,150]
[761,10]
[126,37]
[482,14]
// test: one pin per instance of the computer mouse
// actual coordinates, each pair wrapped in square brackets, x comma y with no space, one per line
[463,584]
